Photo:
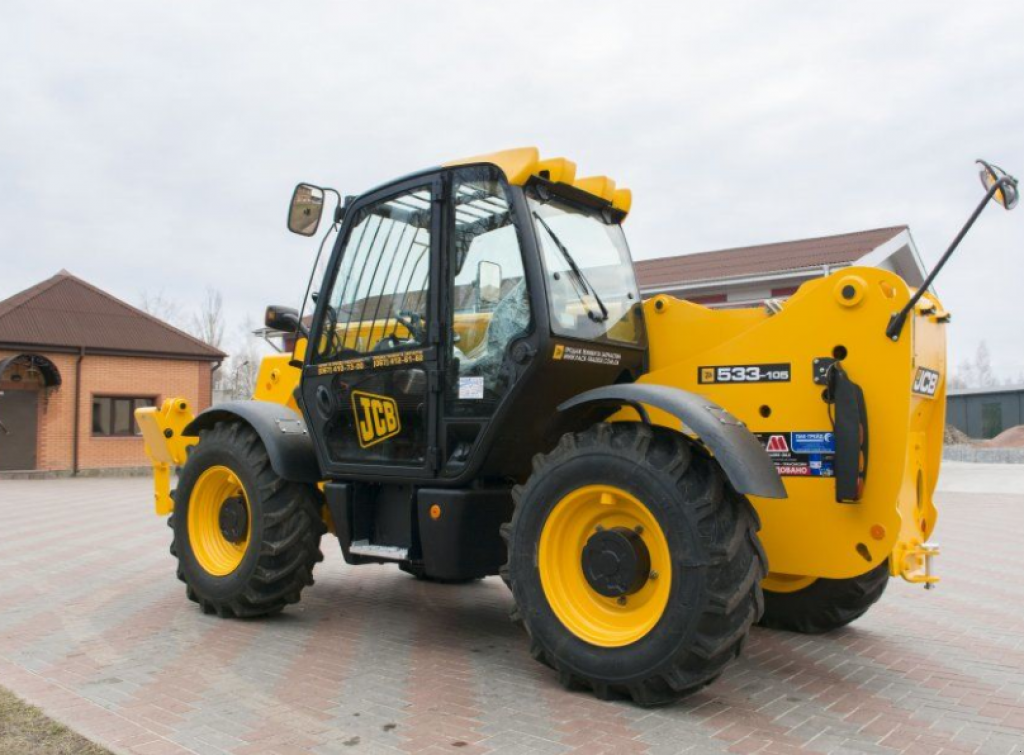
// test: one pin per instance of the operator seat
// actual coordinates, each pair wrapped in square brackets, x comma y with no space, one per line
[511,317]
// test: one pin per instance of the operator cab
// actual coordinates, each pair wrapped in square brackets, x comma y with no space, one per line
[459,308]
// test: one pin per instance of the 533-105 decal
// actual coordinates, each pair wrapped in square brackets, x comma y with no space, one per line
[744,373]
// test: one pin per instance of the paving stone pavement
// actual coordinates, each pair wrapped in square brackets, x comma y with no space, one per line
[96,630]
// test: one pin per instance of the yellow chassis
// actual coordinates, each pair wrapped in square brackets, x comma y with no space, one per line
[808,535]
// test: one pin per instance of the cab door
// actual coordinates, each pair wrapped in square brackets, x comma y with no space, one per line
[370,388]
[488,306]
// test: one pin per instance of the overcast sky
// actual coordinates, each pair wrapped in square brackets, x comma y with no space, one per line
[154,145]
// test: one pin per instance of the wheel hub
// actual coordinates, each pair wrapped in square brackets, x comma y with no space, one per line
[234,519]
[616,562]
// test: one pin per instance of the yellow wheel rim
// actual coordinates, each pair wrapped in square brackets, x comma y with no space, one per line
[591,616]
[779,582]
[216,554]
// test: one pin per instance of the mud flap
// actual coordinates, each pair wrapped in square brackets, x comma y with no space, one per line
[741,455]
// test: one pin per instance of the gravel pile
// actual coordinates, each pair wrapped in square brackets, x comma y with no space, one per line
[956,437]
[1010,438]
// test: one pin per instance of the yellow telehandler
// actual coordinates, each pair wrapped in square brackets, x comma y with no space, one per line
[478,389]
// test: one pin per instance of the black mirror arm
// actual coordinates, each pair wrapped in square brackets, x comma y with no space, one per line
[896,322]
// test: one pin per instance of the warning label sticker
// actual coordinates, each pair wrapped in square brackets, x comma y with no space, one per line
[591,356]
[801,454]
[471,387]
[814,443]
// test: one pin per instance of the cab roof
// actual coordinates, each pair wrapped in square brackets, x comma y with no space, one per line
[519,165]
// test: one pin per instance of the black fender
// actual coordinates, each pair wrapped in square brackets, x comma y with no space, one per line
[744,461]
[282,431]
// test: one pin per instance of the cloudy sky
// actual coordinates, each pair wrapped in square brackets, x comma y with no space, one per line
[153,146]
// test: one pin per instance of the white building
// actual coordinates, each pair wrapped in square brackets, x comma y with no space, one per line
[749,275]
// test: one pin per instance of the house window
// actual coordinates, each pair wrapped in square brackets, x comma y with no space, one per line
[114,416]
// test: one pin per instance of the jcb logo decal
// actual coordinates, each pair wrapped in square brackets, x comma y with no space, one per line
[926,382]
[376,418]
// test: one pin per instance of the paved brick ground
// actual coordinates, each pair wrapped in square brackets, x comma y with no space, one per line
[96,630]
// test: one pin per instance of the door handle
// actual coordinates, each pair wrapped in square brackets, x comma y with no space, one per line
[325,402]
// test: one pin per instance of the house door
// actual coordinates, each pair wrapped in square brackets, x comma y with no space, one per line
[18,421]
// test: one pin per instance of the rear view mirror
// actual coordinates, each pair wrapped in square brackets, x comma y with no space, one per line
[488,285]
[305,210]
[285,319]
[1007,194]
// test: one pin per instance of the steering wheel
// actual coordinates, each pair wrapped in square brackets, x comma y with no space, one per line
[335,344]
[413,323]
[388,342]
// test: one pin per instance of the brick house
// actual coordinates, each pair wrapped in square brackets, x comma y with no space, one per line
[75,362]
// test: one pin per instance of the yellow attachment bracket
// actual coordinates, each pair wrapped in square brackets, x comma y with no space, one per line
[166,447]
[914,563]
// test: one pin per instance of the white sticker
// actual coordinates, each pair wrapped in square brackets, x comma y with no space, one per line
[471,387]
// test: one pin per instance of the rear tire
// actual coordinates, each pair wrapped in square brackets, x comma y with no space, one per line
[710,554]
[265,569]
[825,604]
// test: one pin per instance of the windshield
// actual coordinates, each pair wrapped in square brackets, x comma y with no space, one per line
[591,287]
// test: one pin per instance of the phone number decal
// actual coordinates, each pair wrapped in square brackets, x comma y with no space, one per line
[744,373]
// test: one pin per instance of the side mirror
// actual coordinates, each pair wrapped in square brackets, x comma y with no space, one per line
[306,208]
[1007,194]
[488,284]
[285,319]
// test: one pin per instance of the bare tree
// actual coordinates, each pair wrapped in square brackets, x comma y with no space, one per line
[959,378]
[984,374]
[976,372]
[208,323]
[243,367]
[162,308]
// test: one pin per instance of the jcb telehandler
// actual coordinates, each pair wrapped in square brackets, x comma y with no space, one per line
[480,390]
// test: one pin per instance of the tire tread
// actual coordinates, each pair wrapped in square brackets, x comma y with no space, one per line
[735,561]
[292,528]
[826,604]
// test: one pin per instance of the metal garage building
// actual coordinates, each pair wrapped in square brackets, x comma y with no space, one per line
[985,412]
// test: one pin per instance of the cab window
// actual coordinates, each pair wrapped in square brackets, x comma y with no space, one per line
[592,289]
[489,295]
[378,302]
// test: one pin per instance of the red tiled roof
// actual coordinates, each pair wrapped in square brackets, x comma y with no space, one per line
[65,312]
[766,258]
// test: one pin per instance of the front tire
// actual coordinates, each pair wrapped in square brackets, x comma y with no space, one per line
[246,540]
[598,512]
[825,604]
